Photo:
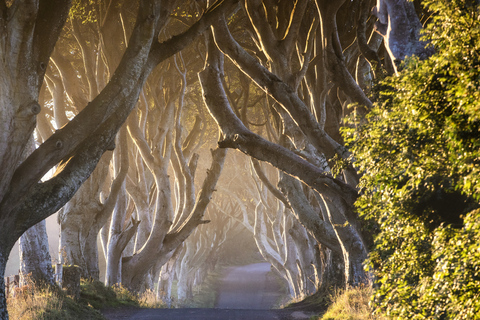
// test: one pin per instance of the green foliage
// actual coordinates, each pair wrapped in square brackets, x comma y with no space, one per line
[97,295]
[418,151]
[84,11]
[454,288]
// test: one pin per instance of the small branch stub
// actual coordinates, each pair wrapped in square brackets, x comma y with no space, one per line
[35,108]
[59,144]
[29,110]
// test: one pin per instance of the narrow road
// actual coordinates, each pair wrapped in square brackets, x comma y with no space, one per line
[245,293]
[249,287]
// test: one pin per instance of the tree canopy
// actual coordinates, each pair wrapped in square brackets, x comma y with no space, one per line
[418,153]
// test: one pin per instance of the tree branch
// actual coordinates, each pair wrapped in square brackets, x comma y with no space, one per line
[261,175]
[174,239]
[163,50]
[51,18]
[239,137]
[124,86]
[278,90]
[291,35]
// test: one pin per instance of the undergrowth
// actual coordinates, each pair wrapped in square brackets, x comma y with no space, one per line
[351,304]
[34,302]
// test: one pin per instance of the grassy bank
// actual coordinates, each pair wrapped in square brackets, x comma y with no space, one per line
[350,304]
[50,303]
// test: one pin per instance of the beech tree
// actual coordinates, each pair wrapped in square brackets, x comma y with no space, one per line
[30,30]
[200,252]
[339,196]
[305,68]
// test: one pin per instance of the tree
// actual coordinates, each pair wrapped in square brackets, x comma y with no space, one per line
[28,38]
[199,254]
[418,151]
[239,137]
[399,25]
[35,261]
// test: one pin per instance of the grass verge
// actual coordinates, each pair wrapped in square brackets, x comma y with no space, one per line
[51,303]
[351,304]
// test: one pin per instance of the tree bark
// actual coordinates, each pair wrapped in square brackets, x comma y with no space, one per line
[27,40]
[400,27]
[35,261]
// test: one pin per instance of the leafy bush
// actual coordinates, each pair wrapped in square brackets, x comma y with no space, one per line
[418,151]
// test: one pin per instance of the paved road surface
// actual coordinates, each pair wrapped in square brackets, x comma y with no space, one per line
[249,287]
[246,293]
[204,314]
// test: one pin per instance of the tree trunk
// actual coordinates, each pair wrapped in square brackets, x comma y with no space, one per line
[28,37]
[35,261]
[4,252]
[165,281]
[400,27]
[81,220]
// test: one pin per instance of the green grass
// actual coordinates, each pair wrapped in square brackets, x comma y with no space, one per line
[97,295]
[48,303]
[351,304]
[51,303]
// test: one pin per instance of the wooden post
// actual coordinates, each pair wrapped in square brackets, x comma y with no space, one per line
[71,281]
[58,274]
[7,287]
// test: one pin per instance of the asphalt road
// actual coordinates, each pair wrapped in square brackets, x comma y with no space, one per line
[204,314]
[249,287]
[246,293]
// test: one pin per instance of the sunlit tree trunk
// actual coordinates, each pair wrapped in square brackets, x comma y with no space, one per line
[165,281]
[28,37]
[122,229]
[400,27]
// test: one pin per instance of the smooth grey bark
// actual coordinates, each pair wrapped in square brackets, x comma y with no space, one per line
[35,260]
[80,221]
[278,90]
[88,211]
[400,27]
[120,233]
[320,229]
[307,263]
[3,298]
[165,280]
[27,40]
[161,243]
[338,194]
[239,137]
[353,247]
